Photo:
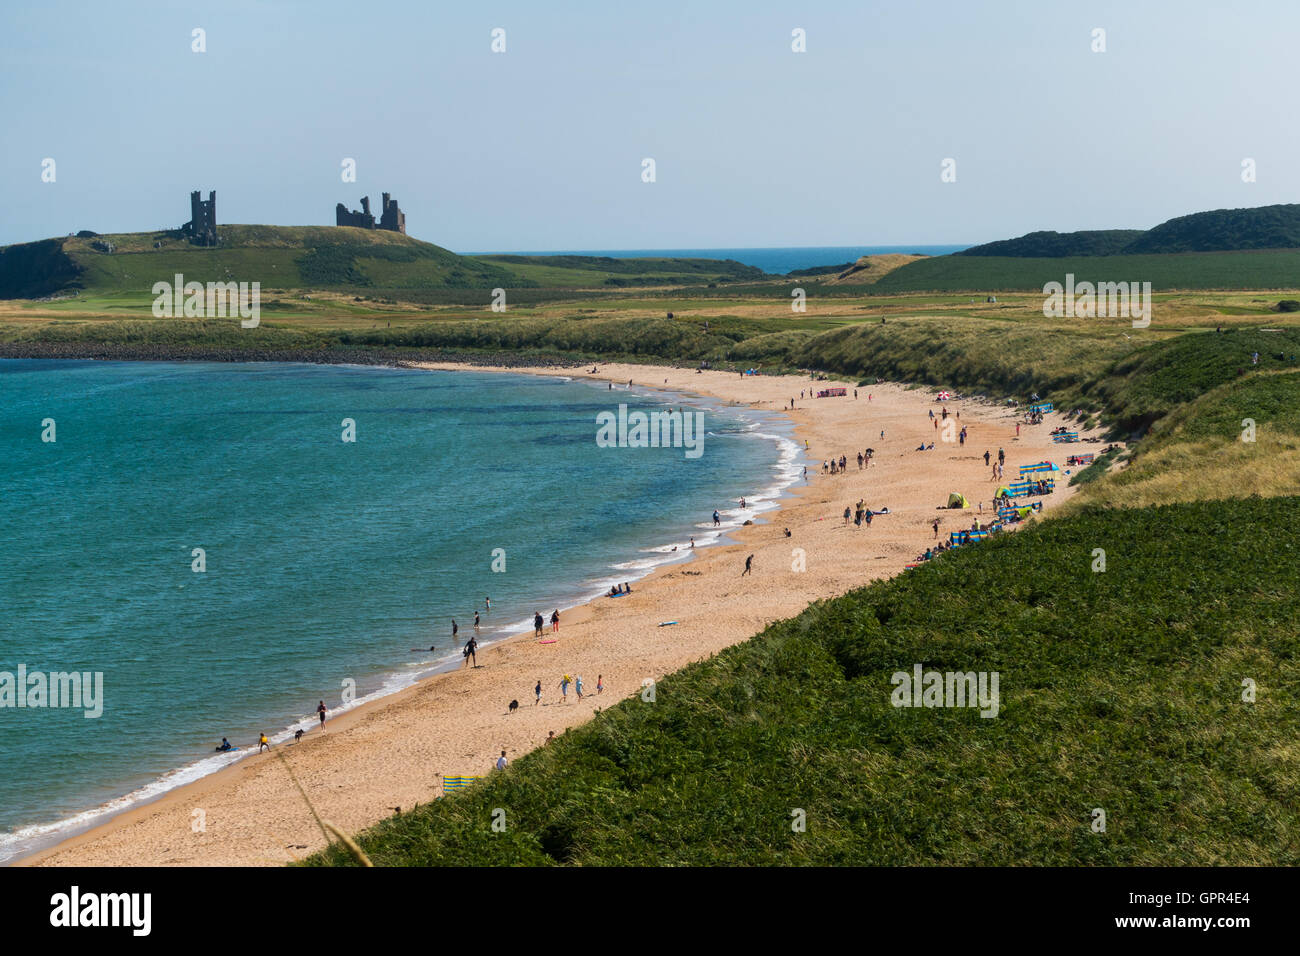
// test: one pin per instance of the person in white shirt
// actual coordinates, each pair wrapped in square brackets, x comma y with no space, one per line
[501,761]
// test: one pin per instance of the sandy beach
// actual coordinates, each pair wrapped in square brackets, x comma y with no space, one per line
[392,752]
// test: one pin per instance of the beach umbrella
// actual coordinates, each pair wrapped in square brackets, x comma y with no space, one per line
[945,396]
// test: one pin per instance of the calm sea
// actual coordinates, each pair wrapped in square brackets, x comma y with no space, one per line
[326,561]
[775,261]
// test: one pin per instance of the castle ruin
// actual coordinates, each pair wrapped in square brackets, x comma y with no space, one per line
[390,217]
[202,227]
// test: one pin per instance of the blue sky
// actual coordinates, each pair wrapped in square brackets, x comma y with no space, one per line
[541,147]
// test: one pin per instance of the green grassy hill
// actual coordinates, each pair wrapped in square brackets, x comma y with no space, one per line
[1261,269]
[1261,227]
[1217,230]
[279,257]
[1103,242]
[341,259]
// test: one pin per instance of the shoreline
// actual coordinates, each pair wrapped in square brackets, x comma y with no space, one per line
[636,565]
[266,808]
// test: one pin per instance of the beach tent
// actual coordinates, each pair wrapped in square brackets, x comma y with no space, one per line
[956,500]
[1004,490]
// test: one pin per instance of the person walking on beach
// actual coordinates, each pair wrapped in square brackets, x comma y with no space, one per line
[1002,456]
[471,652]
[1017,429]
[577,686]
[501,761]
[555,621]
[565,681]
[537,693]
[537,623]
[320,712]
[749,565]
[986,459]
[717,519]
[936,527]
[600,684]
[846,515]
[263,742]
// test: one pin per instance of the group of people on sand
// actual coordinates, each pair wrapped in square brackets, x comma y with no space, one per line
[861,514]
[565,683]
[625,588]
[838,466]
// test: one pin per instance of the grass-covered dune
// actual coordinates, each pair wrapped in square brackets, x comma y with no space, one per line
[1237,439]
[1120,690]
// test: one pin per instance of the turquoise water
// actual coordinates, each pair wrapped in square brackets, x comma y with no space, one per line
[326,561]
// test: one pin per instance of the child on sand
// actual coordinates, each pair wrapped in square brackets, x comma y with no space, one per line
[537,691]
[577,686]
[600,684]
[263,742]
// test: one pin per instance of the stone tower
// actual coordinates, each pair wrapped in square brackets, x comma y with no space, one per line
[202,227]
